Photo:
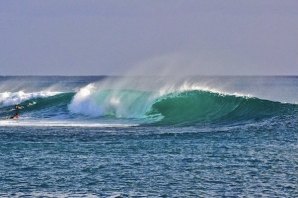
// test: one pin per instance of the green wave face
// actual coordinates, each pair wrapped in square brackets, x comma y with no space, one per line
[194,107]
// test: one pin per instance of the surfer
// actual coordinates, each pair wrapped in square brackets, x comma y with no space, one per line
[17,114]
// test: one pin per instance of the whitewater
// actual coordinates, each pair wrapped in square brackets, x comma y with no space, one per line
[145,136]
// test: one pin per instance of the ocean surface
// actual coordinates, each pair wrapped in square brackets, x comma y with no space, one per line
[101,136]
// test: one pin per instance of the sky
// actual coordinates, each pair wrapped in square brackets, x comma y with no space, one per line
[149,37]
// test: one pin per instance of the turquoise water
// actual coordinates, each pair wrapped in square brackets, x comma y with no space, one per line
[88,136]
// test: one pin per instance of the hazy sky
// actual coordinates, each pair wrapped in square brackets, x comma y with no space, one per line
[117,37]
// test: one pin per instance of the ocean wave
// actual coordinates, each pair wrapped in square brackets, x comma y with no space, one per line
[197,106]
[180,105]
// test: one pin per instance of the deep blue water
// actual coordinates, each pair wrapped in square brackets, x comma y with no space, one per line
[248,148]
[150,162]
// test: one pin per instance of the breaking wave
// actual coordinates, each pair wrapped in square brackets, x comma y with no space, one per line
[180,106]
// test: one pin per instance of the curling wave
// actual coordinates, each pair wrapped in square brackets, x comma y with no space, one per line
[175,107]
